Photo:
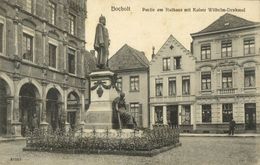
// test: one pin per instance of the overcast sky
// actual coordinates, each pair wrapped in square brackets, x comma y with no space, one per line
[142,30]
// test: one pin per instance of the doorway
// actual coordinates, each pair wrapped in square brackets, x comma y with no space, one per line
[3,108]
[250,116]
[53,108]
[172,116]
[27,103]
[73,109]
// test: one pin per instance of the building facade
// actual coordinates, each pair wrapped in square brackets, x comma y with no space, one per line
[172,86]
[132,69]
[227,71]
[42,74]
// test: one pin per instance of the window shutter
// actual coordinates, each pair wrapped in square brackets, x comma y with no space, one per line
[140,116]
[127,108]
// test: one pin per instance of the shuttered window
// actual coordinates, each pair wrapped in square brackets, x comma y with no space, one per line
[27,47]
[71,61]
[52,55]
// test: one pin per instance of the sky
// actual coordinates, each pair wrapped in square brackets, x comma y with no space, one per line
[142,29]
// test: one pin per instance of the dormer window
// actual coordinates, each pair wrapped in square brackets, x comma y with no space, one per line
[226,24]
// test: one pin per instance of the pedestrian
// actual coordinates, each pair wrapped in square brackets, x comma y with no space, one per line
[232,126]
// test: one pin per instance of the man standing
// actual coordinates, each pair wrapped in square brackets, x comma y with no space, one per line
[102,43]
[232,125]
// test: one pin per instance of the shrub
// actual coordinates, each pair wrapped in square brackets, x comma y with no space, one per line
[59,140]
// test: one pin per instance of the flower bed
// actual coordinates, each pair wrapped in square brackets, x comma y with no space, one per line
[151,142]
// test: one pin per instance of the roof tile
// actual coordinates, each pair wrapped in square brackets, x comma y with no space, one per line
[128,58]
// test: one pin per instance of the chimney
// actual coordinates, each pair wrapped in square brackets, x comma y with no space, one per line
[191,47]
[153,52]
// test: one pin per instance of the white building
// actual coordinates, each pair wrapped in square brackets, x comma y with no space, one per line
[172,86]
[227,72]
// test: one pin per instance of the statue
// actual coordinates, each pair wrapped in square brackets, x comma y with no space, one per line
[102,43]
[125,119]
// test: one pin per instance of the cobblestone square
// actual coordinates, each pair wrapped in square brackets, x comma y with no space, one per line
[194,150]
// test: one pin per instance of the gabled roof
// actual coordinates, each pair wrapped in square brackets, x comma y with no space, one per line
[128,58]
[171,40]
[227,22]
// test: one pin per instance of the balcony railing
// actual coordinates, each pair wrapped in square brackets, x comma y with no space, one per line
[227,91]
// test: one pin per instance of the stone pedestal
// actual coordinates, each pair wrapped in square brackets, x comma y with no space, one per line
[44,125]
[16,129]
[100,113]
[67,127]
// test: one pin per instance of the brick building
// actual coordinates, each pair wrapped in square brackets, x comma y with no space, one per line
[227,71]
[132,68]
[172,86]
[42,70]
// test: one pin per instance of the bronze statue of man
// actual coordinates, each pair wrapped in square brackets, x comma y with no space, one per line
[125,119]
[102,43]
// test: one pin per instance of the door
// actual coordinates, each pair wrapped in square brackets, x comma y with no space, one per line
[172,116]
[250,116]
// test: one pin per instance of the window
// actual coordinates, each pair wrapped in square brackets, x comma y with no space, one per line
[249,46]
[185,115]
[226,48]
[227,112]
[119,83]
[71,60]
[27,47]
[158,115]
[172,86]
[166,64]
[134,110]
[177,62]
[205,81]
[52,14]
[227,79]
[1,38]
[159,87]
[72,22]
[206,113]
[29,4]
[52,55]
[134,83]
[186,85]
[249,78]
[205,52]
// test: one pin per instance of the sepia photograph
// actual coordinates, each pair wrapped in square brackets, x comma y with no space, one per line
[130,82]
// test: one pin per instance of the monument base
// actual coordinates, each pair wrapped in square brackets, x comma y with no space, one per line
[100,113]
